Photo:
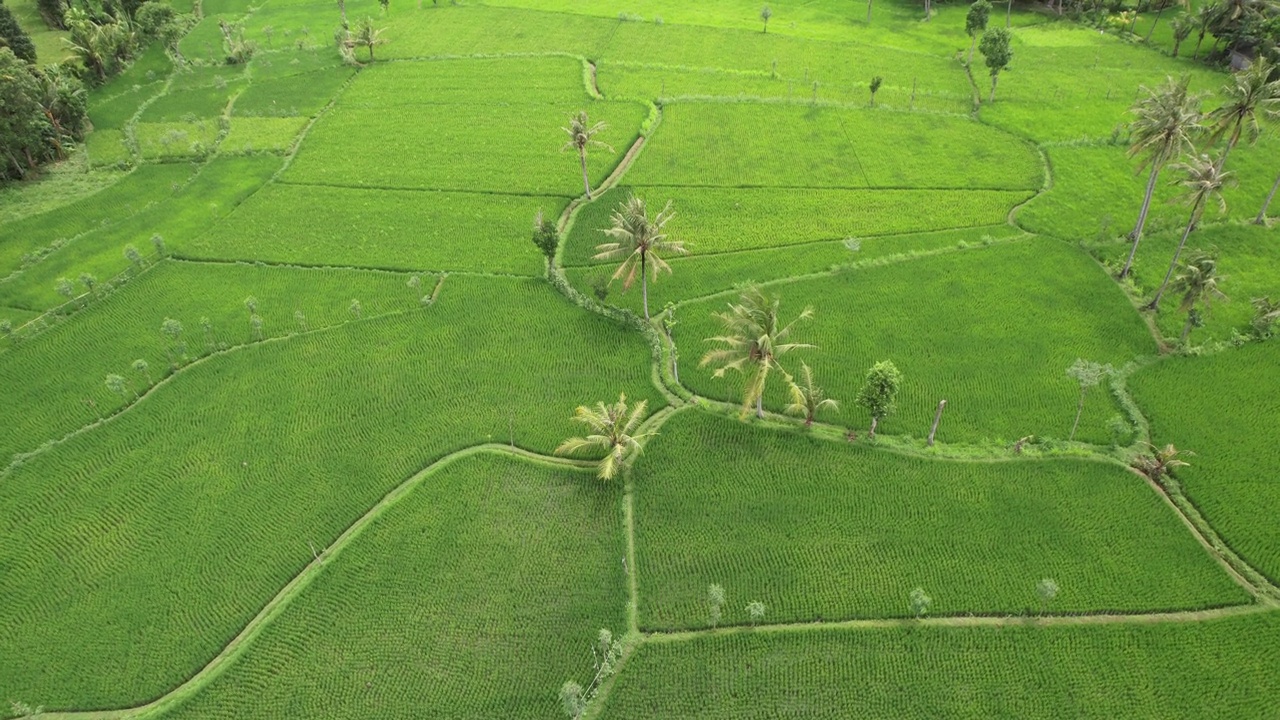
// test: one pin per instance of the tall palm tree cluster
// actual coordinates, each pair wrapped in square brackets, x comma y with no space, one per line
[1169,124]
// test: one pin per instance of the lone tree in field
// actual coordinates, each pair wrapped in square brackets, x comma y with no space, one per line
[975,24]
[1047,589]
[607,653]
[1204,181]
[1167,118]
[1198,285]
[172,329]
[65,288]
[755,611]
[920,602]
[1250,96]
[639,241]
[876,82]
[879,393]
[807,399]
[715,603]
[1088,375]
[1159,463]
[996,48]
[582,135]
[765,14]
[753,343]
[115,384]
[367,36]
[143,369]
[612,429]
[546,238]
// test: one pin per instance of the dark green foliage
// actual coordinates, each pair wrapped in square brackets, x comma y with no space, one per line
[14,37]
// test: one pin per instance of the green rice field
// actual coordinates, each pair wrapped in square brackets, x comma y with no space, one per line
[300,423]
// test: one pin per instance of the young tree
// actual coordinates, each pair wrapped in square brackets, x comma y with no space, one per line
[582,135]
[669,323]
[997,49]
[115,384]
[1182,27]
[607,653]
[1251,95]
[6,328]
[133,256]
[414,283]
[172,329]
[637,240]
[879,392]
[89,281]
[1198,285]
[368,36]
[1159,463]
[1266,313]
[14,37]
[920,602]
[715,603]
[975,24]
[301,320]
[753,343]
[356,309]
[755,611]
[612,430]
[875,88]
[546,238]
[1167,119]
[251,304]
[157,243]
[65,288]
[1204,181]
[1088,375]
[1047,589]
[807,398]
[765,14]
[255,322]
[143,369]
[207,326]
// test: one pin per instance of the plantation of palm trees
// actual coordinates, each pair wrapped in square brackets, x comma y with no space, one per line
[638,360]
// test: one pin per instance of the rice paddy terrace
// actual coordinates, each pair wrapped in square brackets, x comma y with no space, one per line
[284,379]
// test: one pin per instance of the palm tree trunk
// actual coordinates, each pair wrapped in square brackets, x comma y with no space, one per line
[874,422]
[1008,15]
[1191,224]
[1196,55]
[1186,330]
[1262,214]
[1079,410]
[644,285]
[1154,24]
[994,79]
[973,41]
[1231,143]
[868,12]
[1142,220]
[760,405]
[586,182]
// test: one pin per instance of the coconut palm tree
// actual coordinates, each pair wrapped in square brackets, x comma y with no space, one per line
[366,35]
[806,398]
[637,240]
[612,430]
[1164,5]
[1251,96]
[753,343]
[1204,182]
[1262,213]
[1167,118]
[582,135]
[1198,283]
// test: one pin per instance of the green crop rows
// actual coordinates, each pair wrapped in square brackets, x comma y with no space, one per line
[329,490]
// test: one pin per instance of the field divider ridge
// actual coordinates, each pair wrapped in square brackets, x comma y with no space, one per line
[282,599]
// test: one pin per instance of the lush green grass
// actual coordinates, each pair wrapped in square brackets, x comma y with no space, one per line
[1204,670]
[818,530]
[107,149]
[115,111]
[213,192]
[475,596]
[134,193]
[991,330]
[403,229]
[423,141]
[176,522]
[253,134]
[721,220]
[54,383]
[747,145]
[290,96]
[205,103]
[696,275]
[185,140]
[1223,408]
[58,187]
